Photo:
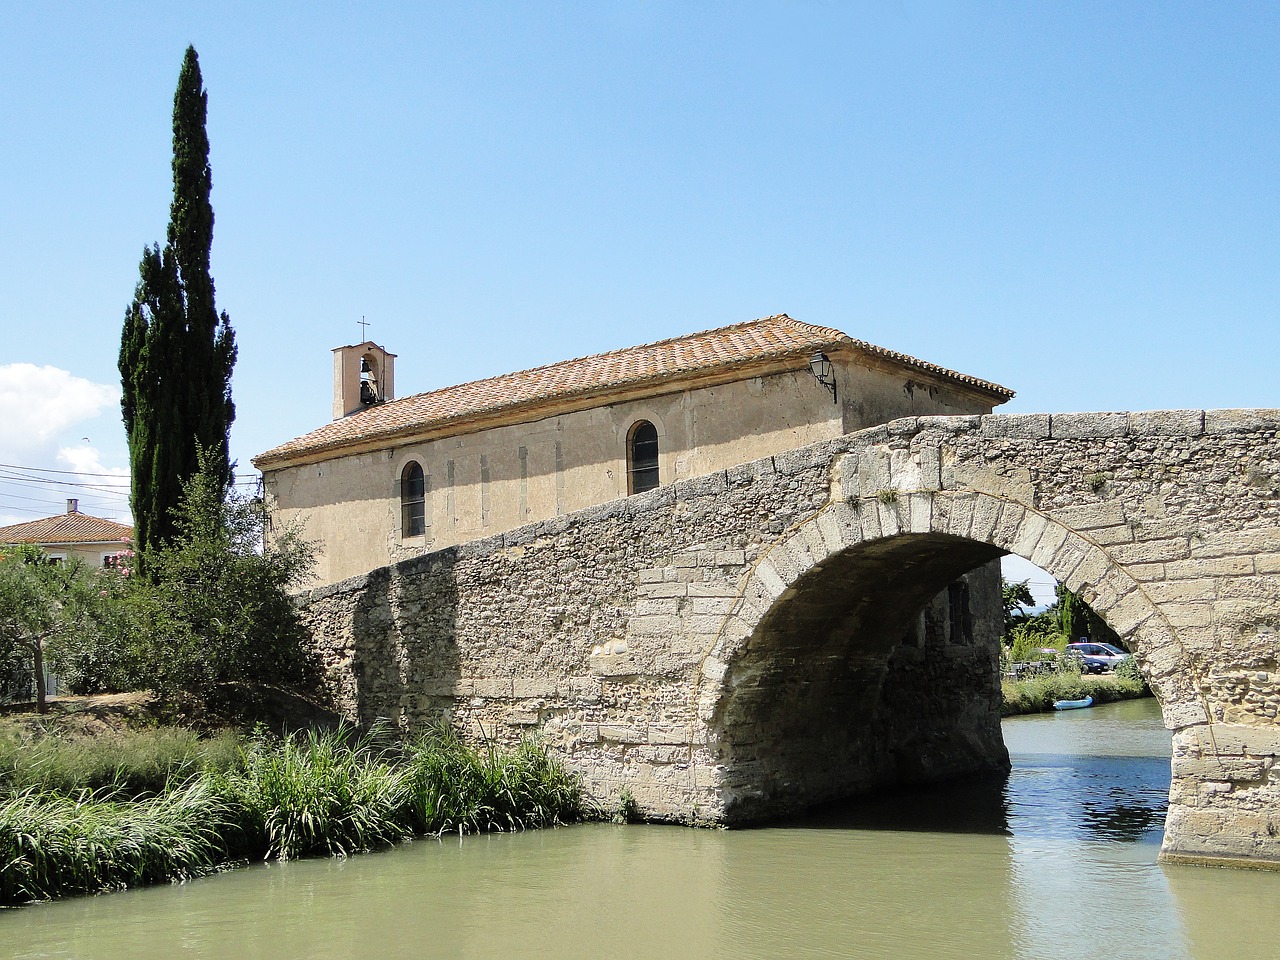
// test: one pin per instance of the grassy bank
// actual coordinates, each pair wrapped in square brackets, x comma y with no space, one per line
[157,806]
[1037,694]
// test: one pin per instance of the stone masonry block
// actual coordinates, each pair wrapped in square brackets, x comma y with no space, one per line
[1182,591]
[1217,567]
[1231,740]
[873,471]
[714,669]
[890,517]
[813,540]
[839,527]
[1151,551]
[1167,423]
[770,578]
[1091,516]
[670,733]
[1088,426]
[955,425]
[1046,551]
[1066,558]
[492,687]
[711,606]
[919,509]
[1184,714]
[1006,528]
[788,565]
[1092,568]
[1237,543]
[659,606]
[960,508]
[1128,612]
[798,548]
[1188,614]
[1028,534]
[869,518]
[623,734]
[1267,563]
[653,626]
[1027,426]
[986,514]
[714,588]
[1110,536]
[1218,422]
[527,687]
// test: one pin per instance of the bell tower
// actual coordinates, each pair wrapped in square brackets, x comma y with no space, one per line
[363,376]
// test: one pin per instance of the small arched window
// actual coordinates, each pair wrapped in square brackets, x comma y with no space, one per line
[642,457]
[413,489]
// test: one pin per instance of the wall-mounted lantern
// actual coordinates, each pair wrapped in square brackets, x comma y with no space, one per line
[824,372]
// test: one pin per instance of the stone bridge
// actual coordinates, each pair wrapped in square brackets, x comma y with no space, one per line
[818,624]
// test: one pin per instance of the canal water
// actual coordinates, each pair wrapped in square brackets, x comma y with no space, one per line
[1059,862]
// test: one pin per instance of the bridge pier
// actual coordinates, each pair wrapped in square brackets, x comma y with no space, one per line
[737,645]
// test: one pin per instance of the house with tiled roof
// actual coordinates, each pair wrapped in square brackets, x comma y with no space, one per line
[94,540]
[389,478]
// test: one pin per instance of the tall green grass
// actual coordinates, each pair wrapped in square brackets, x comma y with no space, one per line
[127,765]
[315,794]
[327,794]
[52,845]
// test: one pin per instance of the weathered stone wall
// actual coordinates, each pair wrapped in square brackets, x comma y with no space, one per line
[741,644]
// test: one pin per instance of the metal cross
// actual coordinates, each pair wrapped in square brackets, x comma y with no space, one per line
[364,328]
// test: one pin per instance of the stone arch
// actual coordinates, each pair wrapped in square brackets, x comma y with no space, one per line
[803,580]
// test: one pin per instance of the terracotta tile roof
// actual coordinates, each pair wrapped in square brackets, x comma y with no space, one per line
[664,363]
[67,528]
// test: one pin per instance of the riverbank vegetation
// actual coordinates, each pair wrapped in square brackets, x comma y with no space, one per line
[1040,639]
[161,806]
[1064,681]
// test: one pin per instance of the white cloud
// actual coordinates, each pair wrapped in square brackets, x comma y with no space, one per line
[38,403]
[43,413]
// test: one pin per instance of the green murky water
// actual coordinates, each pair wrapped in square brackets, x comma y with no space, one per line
[1058,862]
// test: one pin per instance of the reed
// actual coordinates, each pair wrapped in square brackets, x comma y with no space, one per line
[317,794]
[52,845]
[330,793]
[456,787]
[127,765]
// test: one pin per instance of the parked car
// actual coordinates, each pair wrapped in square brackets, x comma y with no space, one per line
[1096,657]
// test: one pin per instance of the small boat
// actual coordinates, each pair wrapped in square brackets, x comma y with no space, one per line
[1072,704]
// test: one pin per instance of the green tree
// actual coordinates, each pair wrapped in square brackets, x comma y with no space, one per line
[176,351]
[1016,596]
[217,602]
[1079,621]
[40,602]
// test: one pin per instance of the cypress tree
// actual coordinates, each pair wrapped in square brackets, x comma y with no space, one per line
[176,350]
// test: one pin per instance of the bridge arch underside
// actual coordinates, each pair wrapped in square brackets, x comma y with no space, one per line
[877,666]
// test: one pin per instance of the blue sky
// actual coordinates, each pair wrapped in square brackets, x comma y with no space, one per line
[1076,200]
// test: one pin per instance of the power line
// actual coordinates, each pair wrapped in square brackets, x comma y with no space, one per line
[113,476]
[78,473]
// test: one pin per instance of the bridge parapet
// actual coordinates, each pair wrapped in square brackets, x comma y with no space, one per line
[654,640]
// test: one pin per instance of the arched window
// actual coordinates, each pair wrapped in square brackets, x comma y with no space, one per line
[413,489]
[642,457]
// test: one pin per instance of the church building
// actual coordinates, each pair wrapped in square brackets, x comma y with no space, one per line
[390,478]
